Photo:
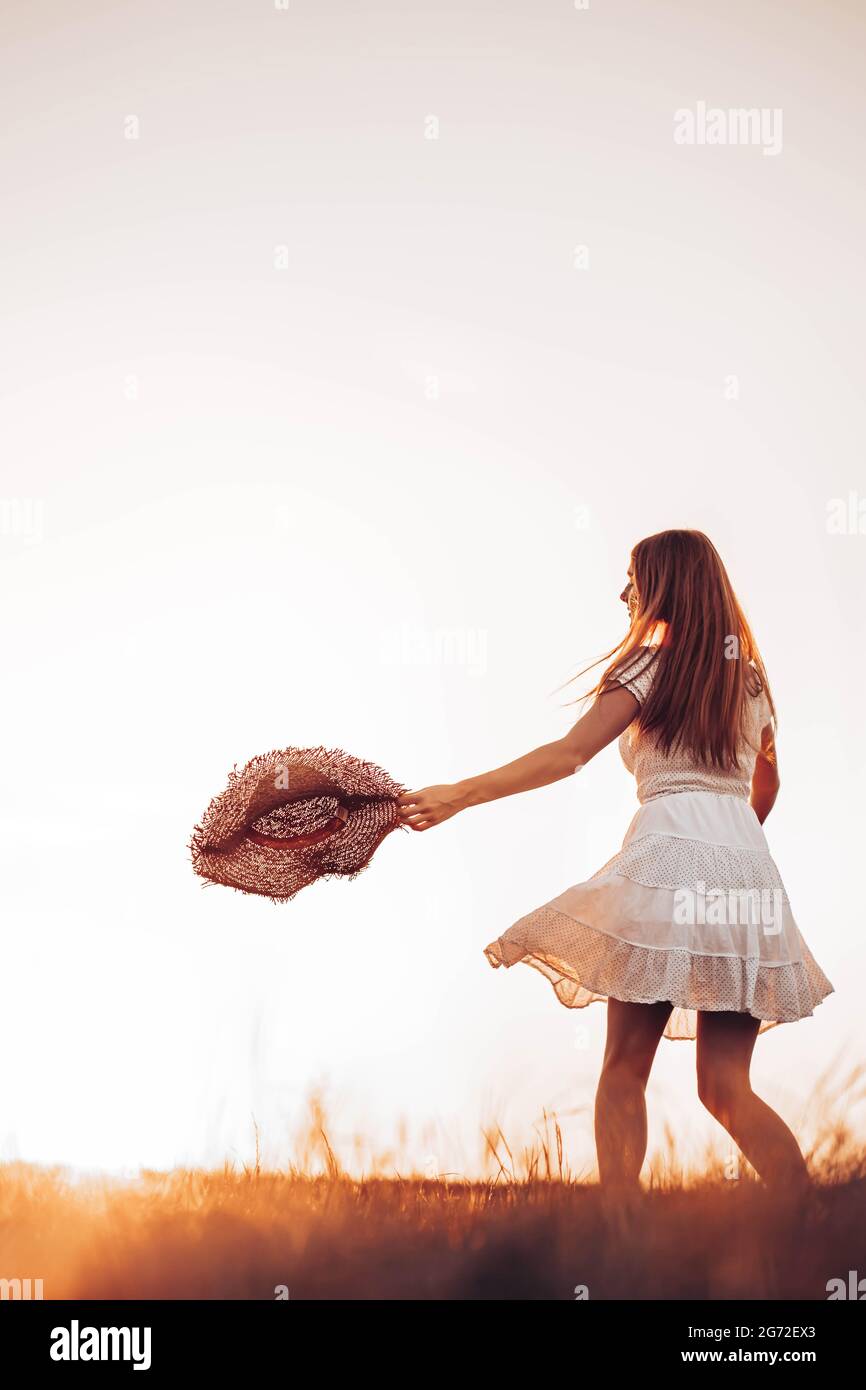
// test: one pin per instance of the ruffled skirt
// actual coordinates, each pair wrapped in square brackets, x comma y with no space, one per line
[691,910]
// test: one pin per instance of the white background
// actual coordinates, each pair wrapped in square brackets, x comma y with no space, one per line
[290,389]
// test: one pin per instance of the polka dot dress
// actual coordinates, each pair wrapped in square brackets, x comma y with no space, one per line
[692,908]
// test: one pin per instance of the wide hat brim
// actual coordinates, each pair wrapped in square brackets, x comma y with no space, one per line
[227,848]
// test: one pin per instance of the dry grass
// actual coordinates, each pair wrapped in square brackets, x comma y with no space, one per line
[531,1230]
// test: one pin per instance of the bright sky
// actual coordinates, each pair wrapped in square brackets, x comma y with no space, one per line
[346,352]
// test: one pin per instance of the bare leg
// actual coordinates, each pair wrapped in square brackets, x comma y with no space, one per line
[633,1034]
[724,1053]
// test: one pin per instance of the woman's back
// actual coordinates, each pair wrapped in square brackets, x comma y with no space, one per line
[662,774]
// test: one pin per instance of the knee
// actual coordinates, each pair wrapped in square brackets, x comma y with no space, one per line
[720,1091]
[624,1068]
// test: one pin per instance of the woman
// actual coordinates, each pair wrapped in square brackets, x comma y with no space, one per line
[687,931]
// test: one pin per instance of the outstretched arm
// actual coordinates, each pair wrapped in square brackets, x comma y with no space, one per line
[603,722]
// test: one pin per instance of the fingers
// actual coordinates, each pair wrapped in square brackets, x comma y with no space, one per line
[418,810]
[414,811]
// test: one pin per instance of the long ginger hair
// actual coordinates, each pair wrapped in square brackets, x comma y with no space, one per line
[709,665]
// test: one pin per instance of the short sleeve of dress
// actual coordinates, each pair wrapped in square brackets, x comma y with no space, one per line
[638,675]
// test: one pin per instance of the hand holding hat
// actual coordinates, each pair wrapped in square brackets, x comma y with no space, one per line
[430,806]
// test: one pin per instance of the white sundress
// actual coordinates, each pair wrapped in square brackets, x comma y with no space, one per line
[691,910]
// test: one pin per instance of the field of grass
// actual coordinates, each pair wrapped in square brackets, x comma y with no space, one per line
[529,1231]
[230,1235]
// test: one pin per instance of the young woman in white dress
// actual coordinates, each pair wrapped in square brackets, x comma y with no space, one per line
[687,931]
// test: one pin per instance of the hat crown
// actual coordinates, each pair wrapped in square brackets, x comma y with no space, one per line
[301,817]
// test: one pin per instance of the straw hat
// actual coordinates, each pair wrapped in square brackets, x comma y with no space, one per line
[292,816]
